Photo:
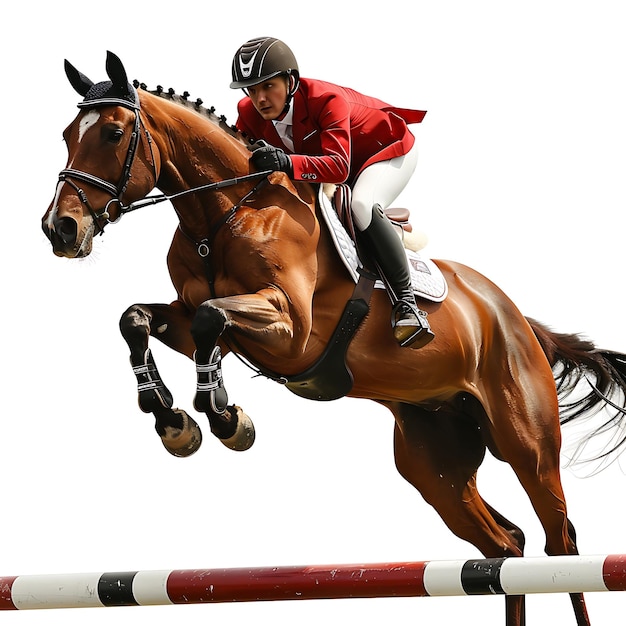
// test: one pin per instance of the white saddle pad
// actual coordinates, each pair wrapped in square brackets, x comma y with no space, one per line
[427,280]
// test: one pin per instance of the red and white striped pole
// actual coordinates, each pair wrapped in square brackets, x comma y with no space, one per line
[510,576]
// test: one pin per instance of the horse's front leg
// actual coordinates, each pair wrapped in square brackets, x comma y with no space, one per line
[228,422]
[266,317]
[179,433]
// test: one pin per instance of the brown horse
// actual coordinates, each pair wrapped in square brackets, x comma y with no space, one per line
[256,274]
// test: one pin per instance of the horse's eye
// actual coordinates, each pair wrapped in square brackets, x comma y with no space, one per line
[115,135]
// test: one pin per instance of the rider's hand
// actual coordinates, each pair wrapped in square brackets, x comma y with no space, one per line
[271,158]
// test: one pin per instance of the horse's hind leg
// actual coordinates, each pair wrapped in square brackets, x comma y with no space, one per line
[439,454]
[526,434]
[546,494]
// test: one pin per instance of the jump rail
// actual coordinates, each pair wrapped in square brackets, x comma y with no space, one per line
[510,576]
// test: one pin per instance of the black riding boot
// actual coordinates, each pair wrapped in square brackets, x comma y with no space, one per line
[410,325]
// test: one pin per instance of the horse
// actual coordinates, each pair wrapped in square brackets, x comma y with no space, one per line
[257,274]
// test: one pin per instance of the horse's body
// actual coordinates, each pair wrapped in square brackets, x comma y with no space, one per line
[274,290]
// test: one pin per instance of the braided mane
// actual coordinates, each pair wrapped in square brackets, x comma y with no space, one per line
[197,106]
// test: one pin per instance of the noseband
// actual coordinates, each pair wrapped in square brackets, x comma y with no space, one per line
[70,175]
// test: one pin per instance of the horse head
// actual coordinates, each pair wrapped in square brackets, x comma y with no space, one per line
[108,137]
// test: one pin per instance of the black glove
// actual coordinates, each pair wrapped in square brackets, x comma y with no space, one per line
[271,158]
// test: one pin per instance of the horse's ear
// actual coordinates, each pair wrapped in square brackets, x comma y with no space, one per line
[77,79]
[116,72]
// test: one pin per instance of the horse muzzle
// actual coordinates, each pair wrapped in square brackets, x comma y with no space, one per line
[63,234]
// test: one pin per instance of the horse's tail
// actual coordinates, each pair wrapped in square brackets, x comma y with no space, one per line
[574,360]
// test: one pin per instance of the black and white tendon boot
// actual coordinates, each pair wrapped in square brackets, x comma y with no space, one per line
[211,396]
[153,394]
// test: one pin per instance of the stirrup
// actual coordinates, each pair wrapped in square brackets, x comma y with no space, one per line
[410,325]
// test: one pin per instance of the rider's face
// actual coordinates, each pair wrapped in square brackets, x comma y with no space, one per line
[269,97]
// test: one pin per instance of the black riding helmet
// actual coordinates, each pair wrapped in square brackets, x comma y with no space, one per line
[262,58]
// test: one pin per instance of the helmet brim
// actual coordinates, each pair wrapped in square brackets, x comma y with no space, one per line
[244,84]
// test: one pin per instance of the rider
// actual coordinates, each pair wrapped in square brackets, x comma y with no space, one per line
[324,133]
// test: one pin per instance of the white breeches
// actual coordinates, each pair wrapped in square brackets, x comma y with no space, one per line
[381,183]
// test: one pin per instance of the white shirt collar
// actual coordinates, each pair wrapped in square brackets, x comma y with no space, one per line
[284,128]
[288,119]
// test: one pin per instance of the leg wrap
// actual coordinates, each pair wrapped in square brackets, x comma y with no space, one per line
[211,395]
[153,394]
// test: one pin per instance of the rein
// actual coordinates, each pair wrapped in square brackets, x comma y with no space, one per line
[228,182]
[204,246]
[69,175]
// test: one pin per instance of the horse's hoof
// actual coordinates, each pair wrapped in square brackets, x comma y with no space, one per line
[244,434]
[182,442]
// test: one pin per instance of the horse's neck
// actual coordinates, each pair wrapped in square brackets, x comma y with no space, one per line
[194,152]
[196,149]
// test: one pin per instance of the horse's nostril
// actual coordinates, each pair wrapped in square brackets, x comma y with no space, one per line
[66,229]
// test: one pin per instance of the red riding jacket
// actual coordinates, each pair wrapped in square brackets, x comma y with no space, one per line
[336,131]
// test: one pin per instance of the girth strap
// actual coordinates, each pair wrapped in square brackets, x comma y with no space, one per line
[330,377]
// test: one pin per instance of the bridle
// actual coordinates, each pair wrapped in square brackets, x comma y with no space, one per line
[70,175]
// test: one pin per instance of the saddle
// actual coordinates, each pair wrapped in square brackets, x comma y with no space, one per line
[426,278]
[330,378]
[341,198]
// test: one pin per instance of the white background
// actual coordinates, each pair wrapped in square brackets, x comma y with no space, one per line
[521,176]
